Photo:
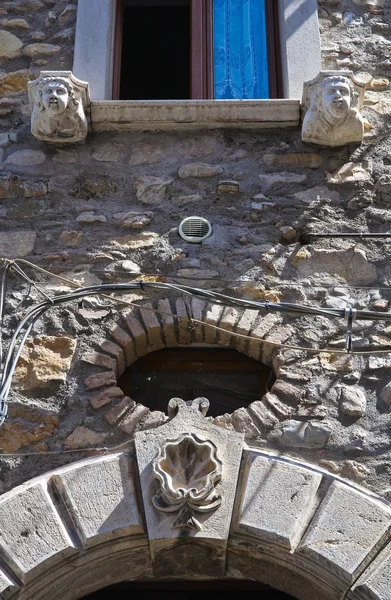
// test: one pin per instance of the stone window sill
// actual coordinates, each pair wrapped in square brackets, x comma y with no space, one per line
[165,115]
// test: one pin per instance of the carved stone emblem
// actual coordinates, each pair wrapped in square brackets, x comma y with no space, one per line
[188,470]
[332,103]
[59,106]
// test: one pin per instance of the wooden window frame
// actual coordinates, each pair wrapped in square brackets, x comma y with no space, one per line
[201,69]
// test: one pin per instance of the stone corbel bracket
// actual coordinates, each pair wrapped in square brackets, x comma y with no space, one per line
[331,106]
[188,474]
[60,107]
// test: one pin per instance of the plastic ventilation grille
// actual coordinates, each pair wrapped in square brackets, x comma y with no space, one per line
[195,229]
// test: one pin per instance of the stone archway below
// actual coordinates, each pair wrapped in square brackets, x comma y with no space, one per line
[295,528]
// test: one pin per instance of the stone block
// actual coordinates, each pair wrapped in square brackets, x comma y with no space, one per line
[83,437]
[228,321]
[124,340]
[263,328]
[375,581]
[244,327]
[347,530]
[32,533]
[197,309]
[168,323]
[10,45]
[100,380]
[14,82]
[138,333]
[100,499]
[287,391]
[212,316]
[152,326]
[119,410]
[151,190]
[100,360]
[289,489]
[131,421]
[299,434]
[45,362]
[184,333]
[37,50]
[188,451]
[26,158]
[353,401]
[17,244]
[242,422]
[117,352]
[261,415]
[106,396]
[154,419]
[282,410]
[280,335]
[199,170]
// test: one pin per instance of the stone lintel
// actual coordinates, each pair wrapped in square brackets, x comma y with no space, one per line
[167,115]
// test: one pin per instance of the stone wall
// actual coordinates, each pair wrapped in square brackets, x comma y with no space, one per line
[108,211]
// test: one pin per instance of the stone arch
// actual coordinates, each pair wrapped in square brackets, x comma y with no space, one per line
[294,527]
[140,331]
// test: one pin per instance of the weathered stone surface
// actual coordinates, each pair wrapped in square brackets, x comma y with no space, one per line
[71,238]
[26,158]
[68,14]
[375,581]
[36,50]
[260,331]
[14,23]
[124,340]
[138,240]
[138,333]
[353,522]
[83,437]
[134,219]
[45,362]
[298,434]
[90,217]
[350,265]
[65,157]
[261,415]
[100,380]
[14,436]
[242,422]
[228,187]
[10,45]
[287,391]
[317,193]
[117,352]
[212,317]
[199,170]
[32,532]
[228,321]
[385,394]
[131,421]
[268,180]
[152,327]
[106,396]
[110,152]
[294,161]
[119,410]
[100,498]
[14,82]
[17,244]
[349,173]
[353,401]
[289,489]
[197,273]
[100,360]
[151,190]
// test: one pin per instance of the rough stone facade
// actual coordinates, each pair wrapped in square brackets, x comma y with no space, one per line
[108,210]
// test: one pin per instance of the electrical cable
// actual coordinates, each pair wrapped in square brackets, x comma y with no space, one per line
[27,322]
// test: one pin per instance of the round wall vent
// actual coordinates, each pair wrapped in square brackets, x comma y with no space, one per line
[195,229]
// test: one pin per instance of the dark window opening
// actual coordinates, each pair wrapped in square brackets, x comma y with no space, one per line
[156,42]
[189,590]
[226,377]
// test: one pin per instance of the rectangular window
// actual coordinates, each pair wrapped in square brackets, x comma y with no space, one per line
[199,49]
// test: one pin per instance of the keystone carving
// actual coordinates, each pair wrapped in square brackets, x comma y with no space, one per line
[188,470]
[59,106]
[332,103]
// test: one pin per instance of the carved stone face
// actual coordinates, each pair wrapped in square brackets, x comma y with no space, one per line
[55,97]
[336,97]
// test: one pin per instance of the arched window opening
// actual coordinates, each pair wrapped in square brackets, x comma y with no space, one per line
[226,377]
[188,590]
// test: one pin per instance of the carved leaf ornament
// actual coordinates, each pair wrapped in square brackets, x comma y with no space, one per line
[188,470]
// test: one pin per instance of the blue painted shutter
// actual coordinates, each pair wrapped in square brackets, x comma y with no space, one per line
[240,50]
